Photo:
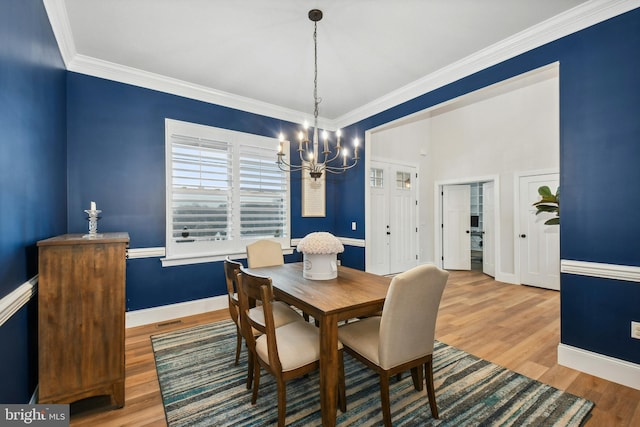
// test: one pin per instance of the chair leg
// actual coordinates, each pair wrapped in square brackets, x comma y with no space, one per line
[416,375]
[238,345]
[384,398]
[342,394]
[282,402]
[431,391]
[250,368]
[256,381]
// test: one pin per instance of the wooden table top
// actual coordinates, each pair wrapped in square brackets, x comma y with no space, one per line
[352,293]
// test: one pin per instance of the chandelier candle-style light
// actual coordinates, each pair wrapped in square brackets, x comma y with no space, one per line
[311,159]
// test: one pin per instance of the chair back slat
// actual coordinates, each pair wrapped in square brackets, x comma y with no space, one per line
[407,326]
[260,290]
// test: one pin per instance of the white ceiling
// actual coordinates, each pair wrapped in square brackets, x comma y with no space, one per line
[260,53]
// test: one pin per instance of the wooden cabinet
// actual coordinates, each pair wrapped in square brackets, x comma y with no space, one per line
[81,315]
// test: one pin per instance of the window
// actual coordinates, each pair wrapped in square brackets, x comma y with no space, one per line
[224,191]
[403,180]
[376,178]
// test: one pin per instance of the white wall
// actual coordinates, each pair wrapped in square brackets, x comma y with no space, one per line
[507,128]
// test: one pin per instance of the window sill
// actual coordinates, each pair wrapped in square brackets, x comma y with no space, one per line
[203,258]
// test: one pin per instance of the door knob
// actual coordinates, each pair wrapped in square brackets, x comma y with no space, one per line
[523,236]
[467,231]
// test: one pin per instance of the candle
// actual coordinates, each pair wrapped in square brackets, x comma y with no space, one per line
[338,134]
[93,206]
[306,130]
[356,142]
[325,135]
[344,157]
[300,141]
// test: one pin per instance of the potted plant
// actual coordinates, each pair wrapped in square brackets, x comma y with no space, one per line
[549,203]
[320,251]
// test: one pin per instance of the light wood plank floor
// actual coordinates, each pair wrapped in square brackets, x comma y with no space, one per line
[517,327]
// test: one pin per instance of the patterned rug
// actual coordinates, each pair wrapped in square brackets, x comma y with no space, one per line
[201,387]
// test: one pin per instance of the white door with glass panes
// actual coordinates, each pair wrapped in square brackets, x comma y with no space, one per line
[393,243]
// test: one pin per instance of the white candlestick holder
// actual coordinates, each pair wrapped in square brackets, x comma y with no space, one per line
[93,222]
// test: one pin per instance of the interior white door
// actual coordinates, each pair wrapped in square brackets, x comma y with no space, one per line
[539,243]
[403,237]
[393,241]
[378,245]
[456,227]
[488,230]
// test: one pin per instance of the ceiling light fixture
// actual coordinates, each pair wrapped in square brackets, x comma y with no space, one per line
[309,157]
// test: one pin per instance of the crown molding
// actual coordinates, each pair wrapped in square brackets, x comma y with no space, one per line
[576,19]
[561,25]
[111,71]
[59,20]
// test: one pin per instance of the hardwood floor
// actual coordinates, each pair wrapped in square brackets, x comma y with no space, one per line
[517,327]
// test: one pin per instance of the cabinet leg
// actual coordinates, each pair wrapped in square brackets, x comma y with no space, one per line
[117,394]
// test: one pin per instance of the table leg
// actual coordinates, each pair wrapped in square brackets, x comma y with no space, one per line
[328,369]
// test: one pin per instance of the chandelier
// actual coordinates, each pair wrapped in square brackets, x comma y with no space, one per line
[311,159]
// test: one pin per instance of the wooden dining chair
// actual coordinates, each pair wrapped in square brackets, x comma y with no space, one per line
[286,352]
[231,270]
[264,253]
[402,337]
[282,313]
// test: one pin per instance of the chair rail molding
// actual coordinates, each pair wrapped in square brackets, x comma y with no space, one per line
[596,269]
[16,299]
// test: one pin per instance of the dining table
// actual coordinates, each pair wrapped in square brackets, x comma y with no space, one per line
[353,293]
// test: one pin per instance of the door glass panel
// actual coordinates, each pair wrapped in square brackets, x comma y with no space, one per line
[376,178]
[403,180]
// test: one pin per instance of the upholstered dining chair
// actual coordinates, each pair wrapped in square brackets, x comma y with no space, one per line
[282,313]
[287,352]
[264,253]
[402,337]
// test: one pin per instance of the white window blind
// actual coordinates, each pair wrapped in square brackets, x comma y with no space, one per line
[224,191]
[262,186]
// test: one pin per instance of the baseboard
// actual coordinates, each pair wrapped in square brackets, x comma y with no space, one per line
[34,396]
[599,365]
[172,311]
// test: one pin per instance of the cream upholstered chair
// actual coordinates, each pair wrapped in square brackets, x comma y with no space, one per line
[264,253]
[402,338]
[288,351]
[282,313]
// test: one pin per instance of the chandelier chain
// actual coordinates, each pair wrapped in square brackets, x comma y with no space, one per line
[315,75]
[311,159]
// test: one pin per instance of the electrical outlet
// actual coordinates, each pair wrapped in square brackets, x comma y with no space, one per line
[353,226]
[635,330]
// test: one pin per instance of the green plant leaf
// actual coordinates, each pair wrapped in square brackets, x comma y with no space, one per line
[552,221]
[544,191]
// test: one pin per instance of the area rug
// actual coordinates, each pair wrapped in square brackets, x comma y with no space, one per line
[201,387]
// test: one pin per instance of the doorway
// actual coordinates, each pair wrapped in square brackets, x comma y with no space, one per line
[468,226]
[394,213]
[539,244]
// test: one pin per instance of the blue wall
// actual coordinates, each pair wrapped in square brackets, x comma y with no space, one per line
[599,172]
[116,143]
[32,174]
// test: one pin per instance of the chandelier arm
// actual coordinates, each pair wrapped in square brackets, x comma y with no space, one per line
[341,169]
[288,167]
